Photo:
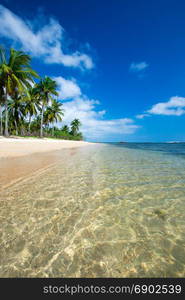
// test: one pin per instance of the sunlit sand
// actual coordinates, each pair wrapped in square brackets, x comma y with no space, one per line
[13,147]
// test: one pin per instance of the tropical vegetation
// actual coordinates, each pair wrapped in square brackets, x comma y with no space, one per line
[29,105]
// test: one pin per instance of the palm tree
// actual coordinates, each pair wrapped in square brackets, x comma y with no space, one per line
[16,76]
[16,111]
[65,129]
[45,89]
[53,113]
[1,92]
[57,110]
[31,105]
[1,108]
[75,125]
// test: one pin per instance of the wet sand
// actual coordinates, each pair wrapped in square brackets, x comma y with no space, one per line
[20,158]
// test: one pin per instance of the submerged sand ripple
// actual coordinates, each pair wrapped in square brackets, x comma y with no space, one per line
[101,212]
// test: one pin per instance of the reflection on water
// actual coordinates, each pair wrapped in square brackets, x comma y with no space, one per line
[101,211]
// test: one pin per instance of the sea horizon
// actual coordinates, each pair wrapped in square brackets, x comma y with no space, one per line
[92,147]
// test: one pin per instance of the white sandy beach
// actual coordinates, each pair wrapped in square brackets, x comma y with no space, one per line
[14,147]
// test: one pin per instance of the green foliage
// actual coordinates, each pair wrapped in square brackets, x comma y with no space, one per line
[63,133]
[16,76]
[75,125]
[28,108]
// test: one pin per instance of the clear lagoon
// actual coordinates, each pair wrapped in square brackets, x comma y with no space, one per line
[108,210]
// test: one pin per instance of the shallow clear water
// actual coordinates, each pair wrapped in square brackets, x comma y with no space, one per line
[98,211]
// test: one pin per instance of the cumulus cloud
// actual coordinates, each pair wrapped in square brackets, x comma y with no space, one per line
[94,123]
[46,42]
[67,88]
[138,67]
[174,107]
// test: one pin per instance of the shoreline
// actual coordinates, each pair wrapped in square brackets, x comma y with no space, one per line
[18,147]
[21,158]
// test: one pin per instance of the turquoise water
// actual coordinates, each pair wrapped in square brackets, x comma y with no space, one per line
[107,210]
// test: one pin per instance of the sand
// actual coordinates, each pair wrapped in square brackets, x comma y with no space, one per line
[14,147]
[21,158]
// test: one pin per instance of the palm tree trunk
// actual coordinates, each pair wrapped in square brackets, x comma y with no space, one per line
[29,126]
[6,115]
[41,122]
[1,121]
[16,131]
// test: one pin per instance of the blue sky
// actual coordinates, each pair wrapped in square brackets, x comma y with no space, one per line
[119,64]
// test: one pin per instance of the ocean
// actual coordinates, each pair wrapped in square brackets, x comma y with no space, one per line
[107,210]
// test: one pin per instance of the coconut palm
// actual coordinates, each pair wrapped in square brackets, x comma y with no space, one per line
[53,113]
[57,110]
[31,105]
[16,111]
[1,93]
[65,129]
[44,90]
[16,76]
[1,108]
[75,125]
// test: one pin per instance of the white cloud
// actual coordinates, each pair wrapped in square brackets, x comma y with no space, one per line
[142,116]
[174,107]
[47,42]
[67,89]
[137,67]
[94,124]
